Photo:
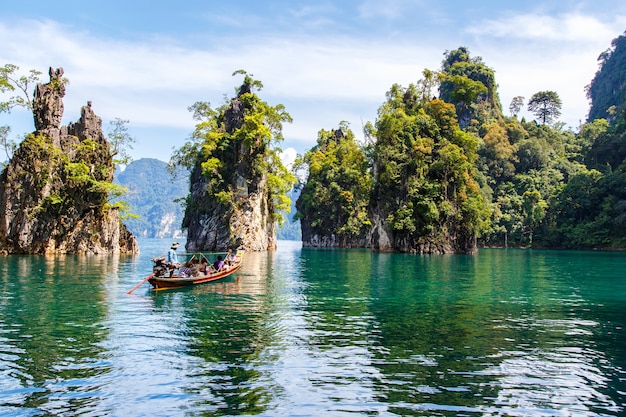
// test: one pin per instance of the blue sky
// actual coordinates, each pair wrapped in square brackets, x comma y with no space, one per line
[326,61]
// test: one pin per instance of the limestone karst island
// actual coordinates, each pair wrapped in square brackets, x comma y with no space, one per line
[54,191]
[443,169]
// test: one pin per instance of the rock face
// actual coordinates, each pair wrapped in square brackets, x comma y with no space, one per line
[443,241]
[54,191]
[48,105]
[311,239]
[216,226]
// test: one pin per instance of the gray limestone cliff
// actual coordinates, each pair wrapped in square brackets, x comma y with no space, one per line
[448,239]
[54,191]
[311,239]
[216,226]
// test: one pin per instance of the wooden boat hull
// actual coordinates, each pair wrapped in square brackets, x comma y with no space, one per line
[164,283]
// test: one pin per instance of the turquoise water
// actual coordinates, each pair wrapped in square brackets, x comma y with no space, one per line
[314,332]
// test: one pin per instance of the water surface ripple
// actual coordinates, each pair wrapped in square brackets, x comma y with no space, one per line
[317,332]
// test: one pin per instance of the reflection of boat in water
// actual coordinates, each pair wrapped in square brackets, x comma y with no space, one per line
[163,282]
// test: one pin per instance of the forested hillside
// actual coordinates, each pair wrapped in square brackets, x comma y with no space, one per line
[456,165]
[155,196]
[443,168]
[333,203]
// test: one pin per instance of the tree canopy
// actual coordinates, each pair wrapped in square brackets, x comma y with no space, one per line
[238,141]
[120,140]
[335,196]
[459,160]
[469,84]
[546,105]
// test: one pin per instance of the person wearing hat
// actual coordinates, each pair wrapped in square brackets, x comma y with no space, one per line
[172,258]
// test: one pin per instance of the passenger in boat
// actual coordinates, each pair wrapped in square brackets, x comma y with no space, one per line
[219,265]
[172,256]
[202,267]
[185,271]
[230,258]
[195,267]
[160,267]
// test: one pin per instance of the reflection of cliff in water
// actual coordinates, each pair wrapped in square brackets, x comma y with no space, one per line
[224,327]
[53,317]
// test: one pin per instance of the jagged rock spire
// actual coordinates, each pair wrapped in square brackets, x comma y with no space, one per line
[49,201]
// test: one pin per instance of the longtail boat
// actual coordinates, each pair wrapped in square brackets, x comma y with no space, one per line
[162,278]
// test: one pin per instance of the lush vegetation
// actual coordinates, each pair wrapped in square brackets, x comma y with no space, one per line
[550,187]
[335,197]
[417,175]
[78,182]
[441,156]
[459,160]
[234,149]
[424,173]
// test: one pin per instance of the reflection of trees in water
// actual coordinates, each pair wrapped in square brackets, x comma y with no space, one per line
[484,333]
[50,312]
[224,326]
[314,330]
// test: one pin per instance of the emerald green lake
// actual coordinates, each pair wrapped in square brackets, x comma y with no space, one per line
[301,332]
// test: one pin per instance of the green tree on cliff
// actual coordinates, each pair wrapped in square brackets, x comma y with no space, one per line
[234,154]
[607,90]
[516,105]
[120,141]
[590,211]
[223,138]
[424,184]
[546,105]
[335,196]
[470,85]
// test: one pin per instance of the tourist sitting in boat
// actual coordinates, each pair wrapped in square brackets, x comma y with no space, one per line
[184,271]
[195,267]
[202,266]
[219,265]
[160,266]
[230,258]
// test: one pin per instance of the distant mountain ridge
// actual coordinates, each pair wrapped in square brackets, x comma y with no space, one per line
[155,196]
[291,230]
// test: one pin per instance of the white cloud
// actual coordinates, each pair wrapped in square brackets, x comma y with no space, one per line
[569,27]
[339,79]
[288,156]
[534,52]
[321,78]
